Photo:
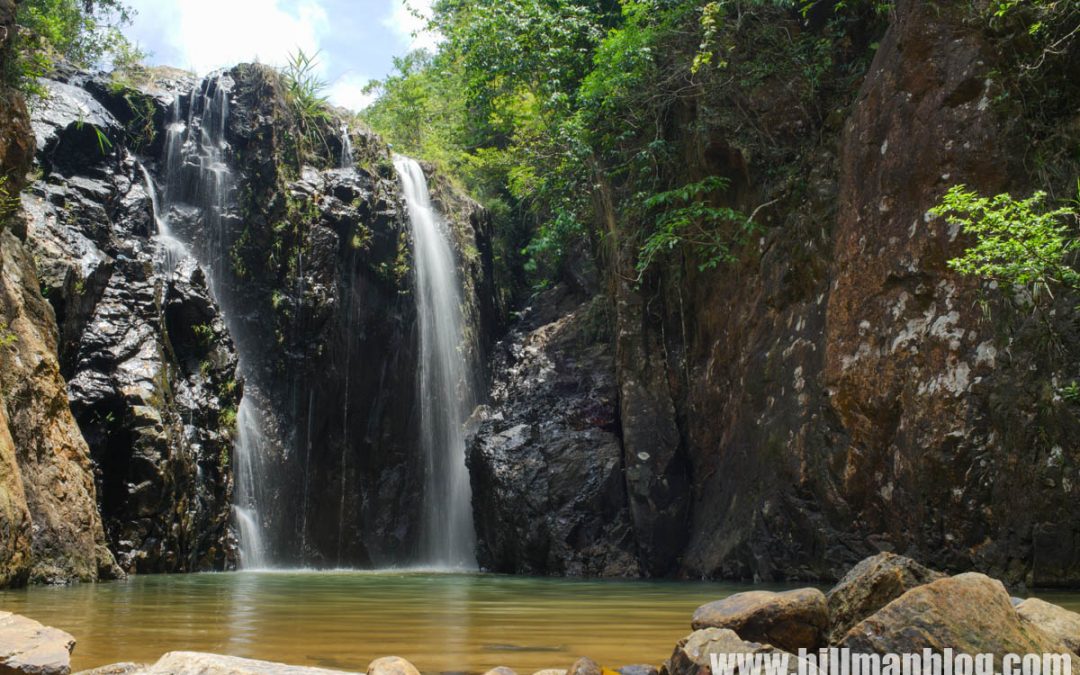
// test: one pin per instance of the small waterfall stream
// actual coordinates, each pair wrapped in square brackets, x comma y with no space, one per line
[348,159]
[197,179]
[445,396]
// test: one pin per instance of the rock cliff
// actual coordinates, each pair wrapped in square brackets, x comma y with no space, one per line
[838,390]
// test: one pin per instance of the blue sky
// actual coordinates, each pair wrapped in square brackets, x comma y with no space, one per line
[357,38]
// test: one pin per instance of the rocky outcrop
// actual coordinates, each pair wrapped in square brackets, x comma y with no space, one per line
[312,265]
[545,455]
[969,613]
[151,366]
[791,620]
[837,390]
[29,648]
[869,586]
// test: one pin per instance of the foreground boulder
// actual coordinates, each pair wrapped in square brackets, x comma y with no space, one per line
[391,665]
[869,586]
[791,620]
[1053,620]
[26,646]
[970,613]
[197,663]
[585,666]
[693,654]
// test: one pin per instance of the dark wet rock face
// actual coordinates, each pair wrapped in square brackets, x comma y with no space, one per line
[150,365]
[313,268]
[545,456]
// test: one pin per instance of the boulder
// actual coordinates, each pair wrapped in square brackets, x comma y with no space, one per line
[585,666]
[639,669]
[693,654]
[970,613]
[196,663]
[547,671]
[391,665]
[501,670]
[791,620]
[26,646]
[1053,620]
[869,586]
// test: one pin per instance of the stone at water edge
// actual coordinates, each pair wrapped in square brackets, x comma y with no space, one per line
[969,613]
[27,646]
[115,669]
[693,654]
[585,666]
[638,669]
[546,671]
[790,621]
[501,670]
[1053,620]
[391,665]
[869,586]
[197,663]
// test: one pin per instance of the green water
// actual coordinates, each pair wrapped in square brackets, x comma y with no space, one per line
[440,622]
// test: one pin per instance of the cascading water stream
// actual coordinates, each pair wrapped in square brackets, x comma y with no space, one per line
[348,159]
[447,535]
[198,180]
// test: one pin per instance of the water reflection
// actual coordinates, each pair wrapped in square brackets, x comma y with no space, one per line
[441,622]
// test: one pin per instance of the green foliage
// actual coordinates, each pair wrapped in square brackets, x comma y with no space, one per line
[685,218]
[1021,242]
[7,337]
[9,203]
[553,112]
[310,108]
[83,32]
[204,334]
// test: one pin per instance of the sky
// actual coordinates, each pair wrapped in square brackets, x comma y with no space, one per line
[356,39]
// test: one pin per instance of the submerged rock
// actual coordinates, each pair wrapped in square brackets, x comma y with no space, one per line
[969,613]
[28,647]
[501,670]
[791,620]
[869,586]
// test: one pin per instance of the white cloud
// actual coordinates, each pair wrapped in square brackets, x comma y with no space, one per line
[209,34]
[348,92]
[409,20]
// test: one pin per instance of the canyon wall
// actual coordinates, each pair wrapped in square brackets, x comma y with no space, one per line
[837,390]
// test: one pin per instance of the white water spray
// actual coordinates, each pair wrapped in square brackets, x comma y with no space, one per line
[198,179]
[447,537]
[348,159]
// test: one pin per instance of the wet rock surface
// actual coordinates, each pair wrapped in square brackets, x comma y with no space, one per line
[545,456]
[150,365]
[791,620]
[195,663]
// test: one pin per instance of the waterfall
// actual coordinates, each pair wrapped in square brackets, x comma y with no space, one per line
[200,185]
[447,535]
[174,250]
[348,160]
